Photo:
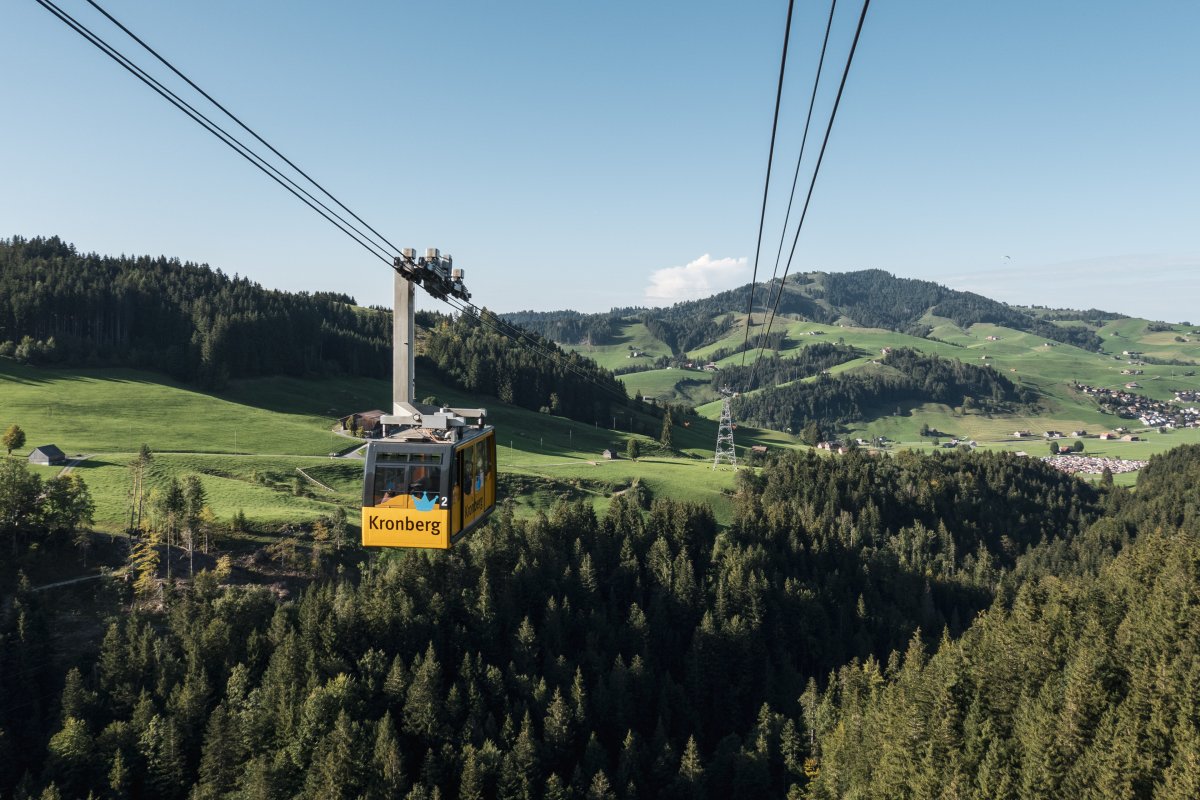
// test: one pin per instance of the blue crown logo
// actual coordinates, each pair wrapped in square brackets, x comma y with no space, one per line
[425,502]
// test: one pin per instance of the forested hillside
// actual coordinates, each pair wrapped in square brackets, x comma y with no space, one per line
[536,374]
[641,654]
[192,322]
[908,377]
[201,326]
[1080,686]
[683,326]
[878,299]
[871,298]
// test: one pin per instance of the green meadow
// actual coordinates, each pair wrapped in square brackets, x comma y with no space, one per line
[1051,368]
[254,444]
[263,447]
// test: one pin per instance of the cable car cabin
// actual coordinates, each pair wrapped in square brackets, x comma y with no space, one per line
[426,493]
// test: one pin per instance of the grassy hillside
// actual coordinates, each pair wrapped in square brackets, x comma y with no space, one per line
[250,443]
[1050,367]
[616,354]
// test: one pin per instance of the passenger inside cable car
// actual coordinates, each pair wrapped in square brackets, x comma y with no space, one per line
[399,484]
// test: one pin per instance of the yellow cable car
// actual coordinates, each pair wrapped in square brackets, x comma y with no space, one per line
[421,492]
[433,478]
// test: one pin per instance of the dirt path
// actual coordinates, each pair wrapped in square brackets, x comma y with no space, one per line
[73,463]
[69,581]
[313,480]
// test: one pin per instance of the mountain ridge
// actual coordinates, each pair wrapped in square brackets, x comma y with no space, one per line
[863,298]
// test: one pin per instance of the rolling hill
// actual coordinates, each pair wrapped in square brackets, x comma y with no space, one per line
[1048,353]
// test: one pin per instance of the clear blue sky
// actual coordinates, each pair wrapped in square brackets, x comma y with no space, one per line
[575,154]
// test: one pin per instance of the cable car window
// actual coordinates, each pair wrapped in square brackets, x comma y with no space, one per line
[424,480]
[484,466]
[389,482]
[467,454]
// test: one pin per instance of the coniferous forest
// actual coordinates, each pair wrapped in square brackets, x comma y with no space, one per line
[202,326]
[187,320]
[960,625]
[907,377]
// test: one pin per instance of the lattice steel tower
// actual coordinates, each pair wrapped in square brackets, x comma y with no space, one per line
[725,450]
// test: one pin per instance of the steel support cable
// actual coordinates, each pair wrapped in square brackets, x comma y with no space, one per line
[518,334]
[228,139]
[787,33]
[264,166]
[812,100]
[243,125]
[536,347]
[514,332]
[816,170]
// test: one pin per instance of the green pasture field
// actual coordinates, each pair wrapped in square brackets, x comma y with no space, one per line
[616,354]
[115,410]
[680,479]
[285,424]
[261,487]
[247,441]
[672,385]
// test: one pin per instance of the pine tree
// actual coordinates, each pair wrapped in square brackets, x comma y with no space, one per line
[600,788]
[337,767]
[71,752]
[690,781]
[387,764]
[556,728]
[470,781]
[161,745]
[143,560]
[423,703]
[221,756]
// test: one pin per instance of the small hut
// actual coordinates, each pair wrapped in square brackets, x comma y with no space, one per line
[47,455]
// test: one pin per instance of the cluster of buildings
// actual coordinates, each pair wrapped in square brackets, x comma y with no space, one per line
[1153,413]
[1092,465]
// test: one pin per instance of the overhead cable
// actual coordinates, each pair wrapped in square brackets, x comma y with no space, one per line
[812,100]
[787,32]
[500,326]
[816,170]
[243,125]
[220,133]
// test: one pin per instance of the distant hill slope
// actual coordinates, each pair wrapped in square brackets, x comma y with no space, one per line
[867,298]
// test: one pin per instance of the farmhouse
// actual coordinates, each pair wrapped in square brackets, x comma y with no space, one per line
[609,454]
[46,455]
[369,423]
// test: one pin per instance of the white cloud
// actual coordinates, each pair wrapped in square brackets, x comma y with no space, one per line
[698,278]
